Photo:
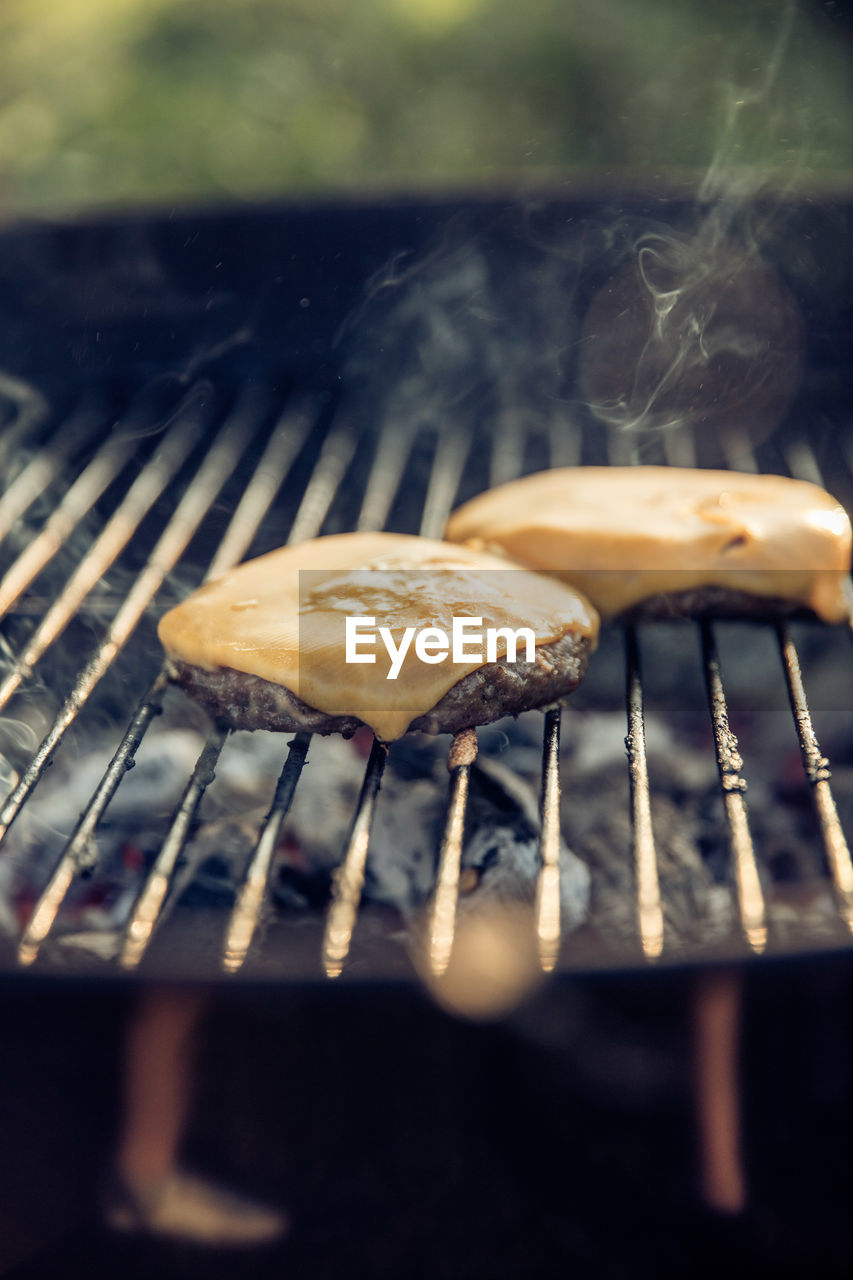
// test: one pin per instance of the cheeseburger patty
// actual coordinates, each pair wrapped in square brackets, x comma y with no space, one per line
[497,689]
[264,646]
[672,541]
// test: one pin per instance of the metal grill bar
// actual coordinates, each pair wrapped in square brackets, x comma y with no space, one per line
[443,908]
[42,469]
[816,767]
[750,897]
[802,462]
[548,904]
[649,908]
[564,443]
[452,449]
[252,895]
[285,442]
[337,453]
[81,851]
[679,448]
[622,448]
[393,449]
[349,878]
[149,905]
[507,454]
[737,448]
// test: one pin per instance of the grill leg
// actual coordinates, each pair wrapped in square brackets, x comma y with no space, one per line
[716,1009]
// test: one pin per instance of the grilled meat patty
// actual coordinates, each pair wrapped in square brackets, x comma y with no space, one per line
[497,689]
[446,637]
[662,542]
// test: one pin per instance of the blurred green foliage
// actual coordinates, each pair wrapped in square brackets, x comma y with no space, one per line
[105,101]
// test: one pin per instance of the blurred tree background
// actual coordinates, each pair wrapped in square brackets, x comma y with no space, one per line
[121,101]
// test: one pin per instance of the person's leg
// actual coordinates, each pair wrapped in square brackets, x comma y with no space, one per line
[157,1065]
[716,1075]
[152,1192]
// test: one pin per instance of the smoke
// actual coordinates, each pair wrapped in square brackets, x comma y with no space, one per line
[723,184]
[481,328]
[22,409]
[696,329]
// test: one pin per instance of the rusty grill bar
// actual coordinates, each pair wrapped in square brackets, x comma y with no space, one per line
[649,908]
[750,897]
[192,476]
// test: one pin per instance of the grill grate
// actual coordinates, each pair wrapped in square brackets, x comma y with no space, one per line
[175,489]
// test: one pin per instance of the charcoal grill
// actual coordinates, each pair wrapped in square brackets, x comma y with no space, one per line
[176,401]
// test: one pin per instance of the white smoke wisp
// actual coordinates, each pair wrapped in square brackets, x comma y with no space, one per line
[466,333]
[723,183]
[27,408]
[695,329]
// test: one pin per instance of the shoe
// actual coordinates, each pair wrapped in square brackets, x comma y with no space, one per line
[183,1206]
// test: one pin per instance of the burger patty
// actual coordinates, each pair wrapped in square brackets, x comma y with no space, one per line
[494,690]
[707,542]
[714,602]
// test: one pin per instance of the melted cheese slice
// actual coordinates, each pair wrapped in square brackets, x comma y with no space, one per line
[282,617]
[623,534]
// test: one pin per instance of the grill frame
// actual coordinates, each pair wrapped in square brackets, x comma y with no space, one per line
[313,421]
